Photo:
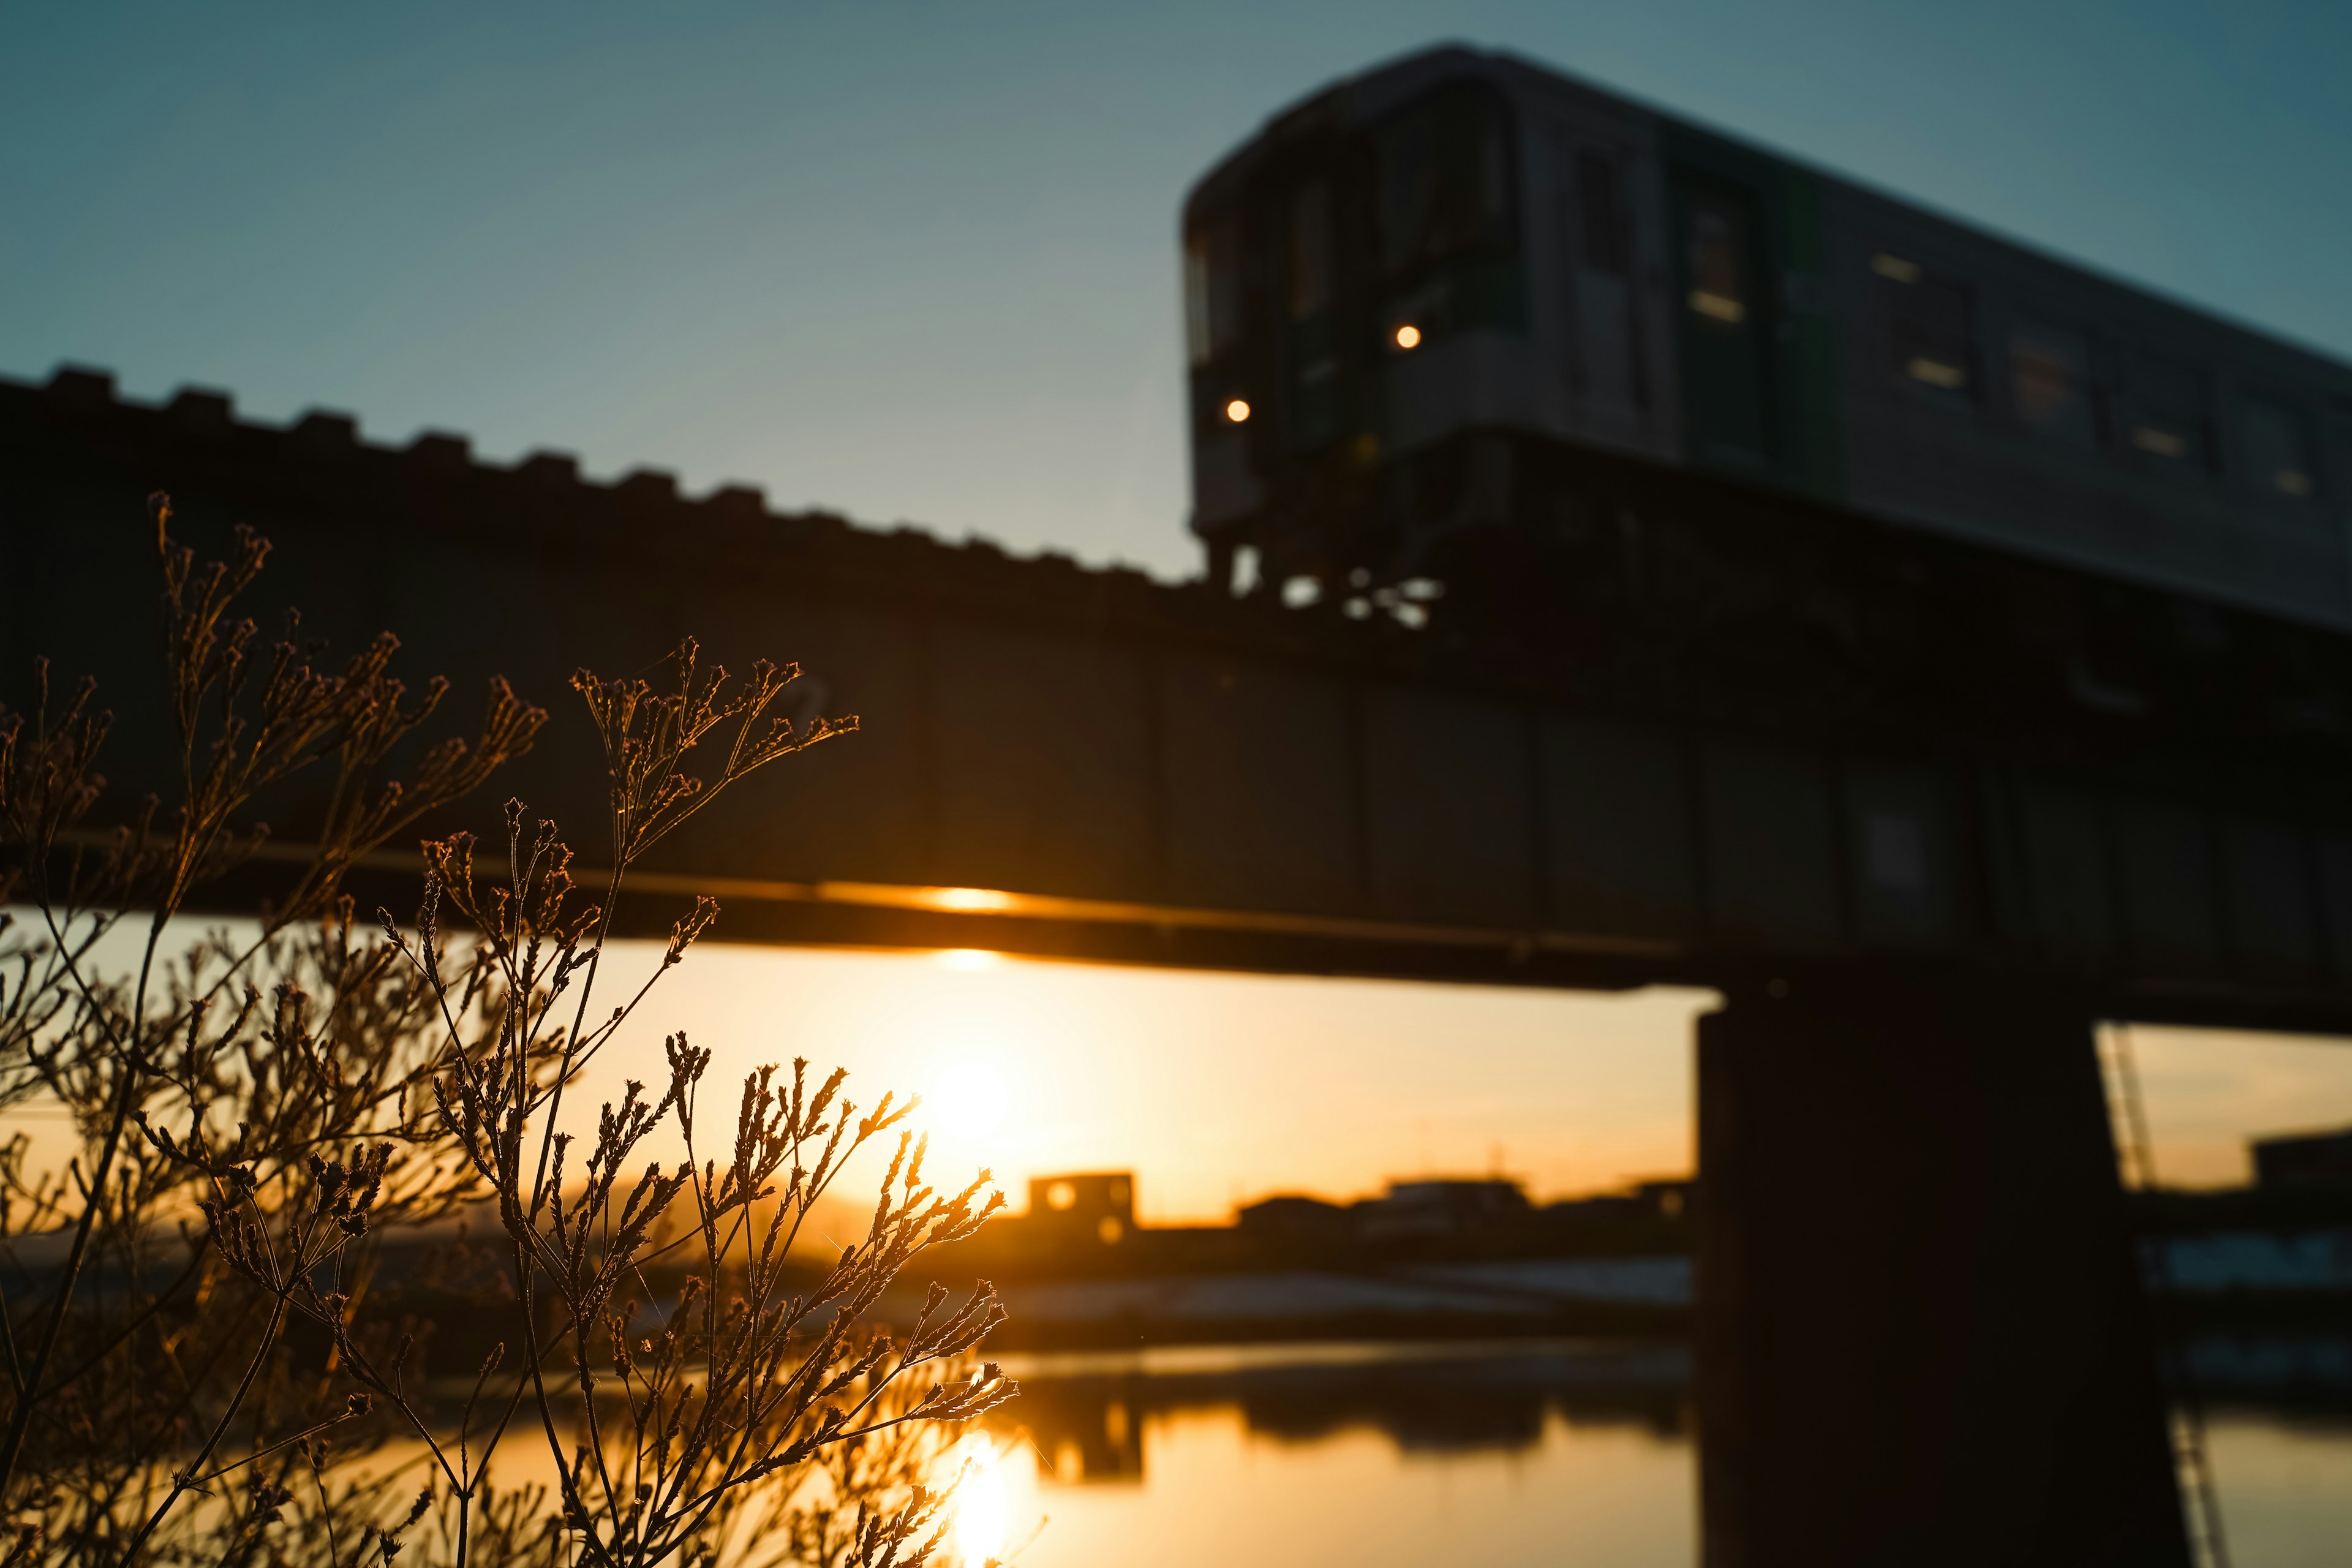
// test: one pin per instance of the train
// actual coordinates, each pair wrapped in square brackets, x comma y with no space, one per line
[1474,344]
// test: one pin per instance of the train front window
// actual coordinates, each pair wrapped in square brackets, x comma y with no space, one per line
[1213,289]
[2276,444]
[1720,266]
[1307,256]
[1310,344]
[1445,181]
[2050,384]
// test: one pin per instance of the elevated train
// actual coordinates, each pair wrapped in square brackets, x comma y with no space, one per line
[1655,413]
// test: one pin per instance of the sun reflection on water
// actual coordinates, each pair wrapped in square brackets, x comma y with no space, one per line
[981,1506]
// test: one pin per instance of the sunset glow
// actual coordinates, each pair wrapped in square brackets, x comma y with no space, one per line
[975,900]
[981,1509]
[972,1100]
[1213,1089]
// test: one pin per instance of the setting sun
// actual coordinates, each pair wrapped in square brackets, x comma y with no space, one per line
[972,1100]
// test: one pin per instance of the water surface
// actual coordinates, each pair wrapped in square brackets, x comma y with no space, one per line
[1493,1456]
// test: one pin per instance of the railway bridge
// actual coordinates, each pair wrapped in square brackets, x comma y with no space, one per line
[1922,1338]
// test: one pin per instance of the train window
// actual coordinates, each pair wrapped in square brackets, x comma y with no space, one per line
[1726,368]
[1927,335]
[1307,258]
[2161,420]
[1307,340]
[2049,383]
[1213,288]
[1719,270]
[1445,181]
[1606,228]
[2275,441]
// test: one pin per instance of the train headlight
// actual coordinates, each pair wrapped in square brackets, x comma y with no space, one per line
[1238,411]
[1408,336]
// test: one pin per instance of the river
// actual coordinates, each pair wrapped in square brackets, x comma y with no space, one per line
[1495,1455]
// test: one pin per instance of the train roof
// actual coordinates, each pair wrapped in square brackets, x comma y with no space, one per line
[1370,94]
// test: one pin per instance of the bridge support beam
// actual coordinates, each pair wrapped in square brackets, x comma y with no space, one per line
[1922,1339]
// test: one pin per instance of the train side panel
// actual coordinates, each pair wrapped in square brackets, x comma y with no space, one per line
[1993,395]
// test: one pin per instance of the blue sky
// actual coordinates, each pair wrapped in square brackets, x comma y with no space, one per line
[918,262]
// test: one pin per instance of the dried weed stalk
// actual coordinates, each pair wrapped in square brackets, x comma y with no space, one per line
[269,1135]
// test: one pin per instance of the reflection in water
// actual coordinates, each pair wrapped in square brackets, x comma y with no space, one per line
[1084,1415]
[1384,1456]
[1369,1455]
[981,1509]
[1360,1454]
[2285,1482]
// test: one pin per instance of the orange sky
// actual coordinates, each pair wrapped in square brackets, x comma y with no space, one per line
[1215,1089]
[1218,1089]
[2207,1091]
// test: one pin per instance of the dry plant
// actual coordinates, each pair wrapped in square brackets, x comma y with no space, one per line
[273,1131]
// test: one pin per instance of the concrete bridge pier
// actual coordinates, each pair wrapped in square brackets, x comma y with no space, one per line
[1921,1336]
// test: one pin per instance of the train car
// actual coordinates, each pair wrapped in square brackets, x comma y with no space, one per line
[1464,325]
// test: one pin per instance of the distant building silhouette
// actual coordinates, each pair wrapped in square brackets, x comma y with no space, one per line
[1289,1219]
[1089,1208]
[1442,1209]
[1081,1224]
[2303,1159]
[1667,1200]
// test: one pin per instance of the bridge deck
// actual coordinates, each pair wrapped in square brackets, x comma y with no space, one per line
[1087,763]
